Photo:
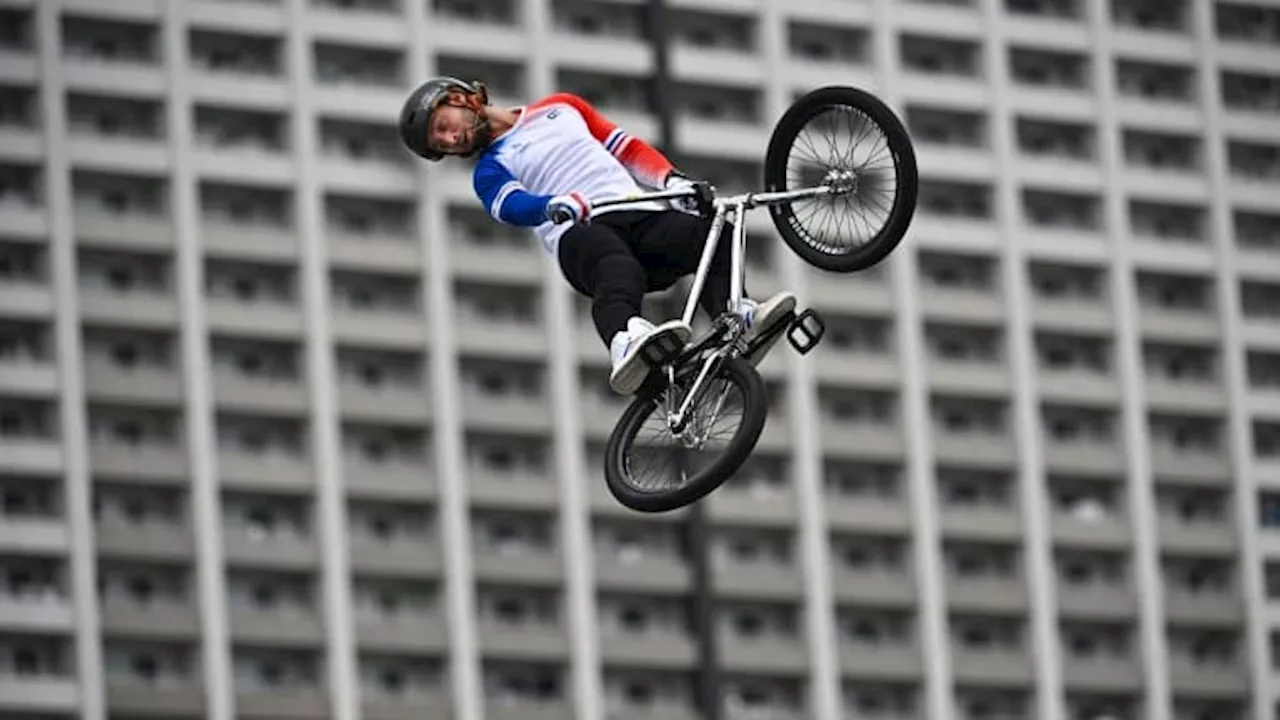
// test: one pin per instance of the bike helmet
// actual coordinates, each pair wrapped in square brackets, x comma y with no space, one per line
[415,115]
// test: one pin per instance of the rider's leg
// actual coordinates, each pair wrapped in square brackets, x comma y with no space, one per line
[676,240]
[673,241]
[598,263]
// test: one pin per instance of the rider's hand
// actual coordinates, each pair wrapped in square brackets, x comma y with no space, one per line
[676,181]
[572,207]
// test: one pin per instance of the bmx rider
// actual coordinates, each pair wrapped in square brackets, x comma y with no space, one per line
[558,154]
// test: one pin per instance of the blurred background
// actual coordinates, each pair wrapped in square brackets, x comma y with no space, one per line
[290,429]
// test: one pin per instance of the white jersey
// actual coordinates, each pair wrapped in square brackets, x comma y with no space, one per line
[560,145]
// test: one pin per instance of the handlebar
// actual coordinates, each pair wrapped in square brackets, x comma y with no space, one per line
[702,191]
[707,200]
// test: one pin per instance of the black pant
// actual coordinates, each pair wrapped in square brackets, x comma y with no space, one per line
[622,255]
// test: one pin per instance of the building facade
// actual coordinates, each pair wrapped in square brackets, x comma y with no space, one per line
[290,429]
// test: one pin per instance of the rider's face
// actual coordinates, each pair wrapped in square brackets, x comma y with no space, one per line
[452,129]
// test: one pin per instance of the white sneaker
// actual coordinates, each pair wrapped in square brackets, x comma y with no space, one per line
[628,348]
[760,316]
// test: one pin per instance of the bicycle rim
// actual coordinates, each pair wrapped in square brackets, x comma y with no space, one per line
[843,138]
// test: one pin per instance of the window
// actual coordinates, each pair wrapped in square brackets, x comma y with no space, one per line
[1082,569]
[1150,15]
[240,205]
[498,12]
[1174,292]
[828,42]
[1266,439]
[1085,500]
[955,271]
[1166,221]
[1073,353]
[115,116]
[850,333]
[1271,574]
[1061,210]
[956,199]
[1260,299]
[355,216]
[969,416]
[240,129]
[870,553]
[99,39]
[1051,138]
[1247,23]
[959,488]
[718,103]
[273,670]
[1253,161]
[1155,81]
[496,380]
[1049,68]
[964,343]
[239,53]
[980,560]
[1269,510]
[1264,370]
[372,292]
[874,627]
[20,187]
[858,480]
[1059,9]
[17,30]
[266,361]
[956,128]
[360,66]
[126,195]
[1075,424]
[1180,363]
[1186,434]
[975,633]
[514,534]
[255,437]
[1161,151]
[858,406]
[941,56]
[1257,230]
[713,30]
[514,684]
[1085,641]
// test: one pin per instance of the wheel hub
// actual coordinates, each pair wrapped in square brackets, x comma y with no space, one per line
[841,181]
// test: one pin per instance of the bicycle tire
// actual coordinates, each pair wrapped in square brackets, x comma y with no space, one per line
[754,413]
[781,141]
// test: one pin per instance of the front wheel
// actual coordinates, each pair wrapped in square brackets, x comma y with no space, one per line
[844,137]
[650,468]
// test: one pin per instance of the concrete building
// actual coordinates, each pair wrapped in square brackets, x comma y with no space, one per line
[290,429]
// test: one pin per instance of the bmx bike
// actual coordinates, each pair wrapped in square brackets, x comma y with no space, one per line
[691,388]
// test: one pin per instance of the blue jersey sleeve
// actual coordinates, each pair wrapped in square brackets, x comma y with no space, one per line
[504,197]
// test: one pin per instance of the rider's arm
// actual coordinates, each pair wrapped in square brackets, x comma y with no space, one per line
[644,161]
[504,197]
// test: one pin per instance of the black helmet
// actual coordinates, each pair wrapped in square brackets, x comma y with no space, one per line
[415,115]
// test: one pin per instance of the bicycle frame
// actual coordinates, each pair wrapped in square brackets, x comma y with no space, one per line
[737,206]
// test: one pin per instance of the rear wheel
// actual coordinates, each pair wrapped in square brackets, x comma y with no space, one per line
[845,137]
[649,468]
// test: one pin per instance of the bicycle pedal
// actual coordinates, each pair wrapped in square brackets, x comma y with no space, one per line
[663,350]
[806,331]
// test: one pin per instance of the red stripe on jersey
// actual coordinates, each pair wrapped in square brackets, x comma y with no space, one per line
[644,161]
